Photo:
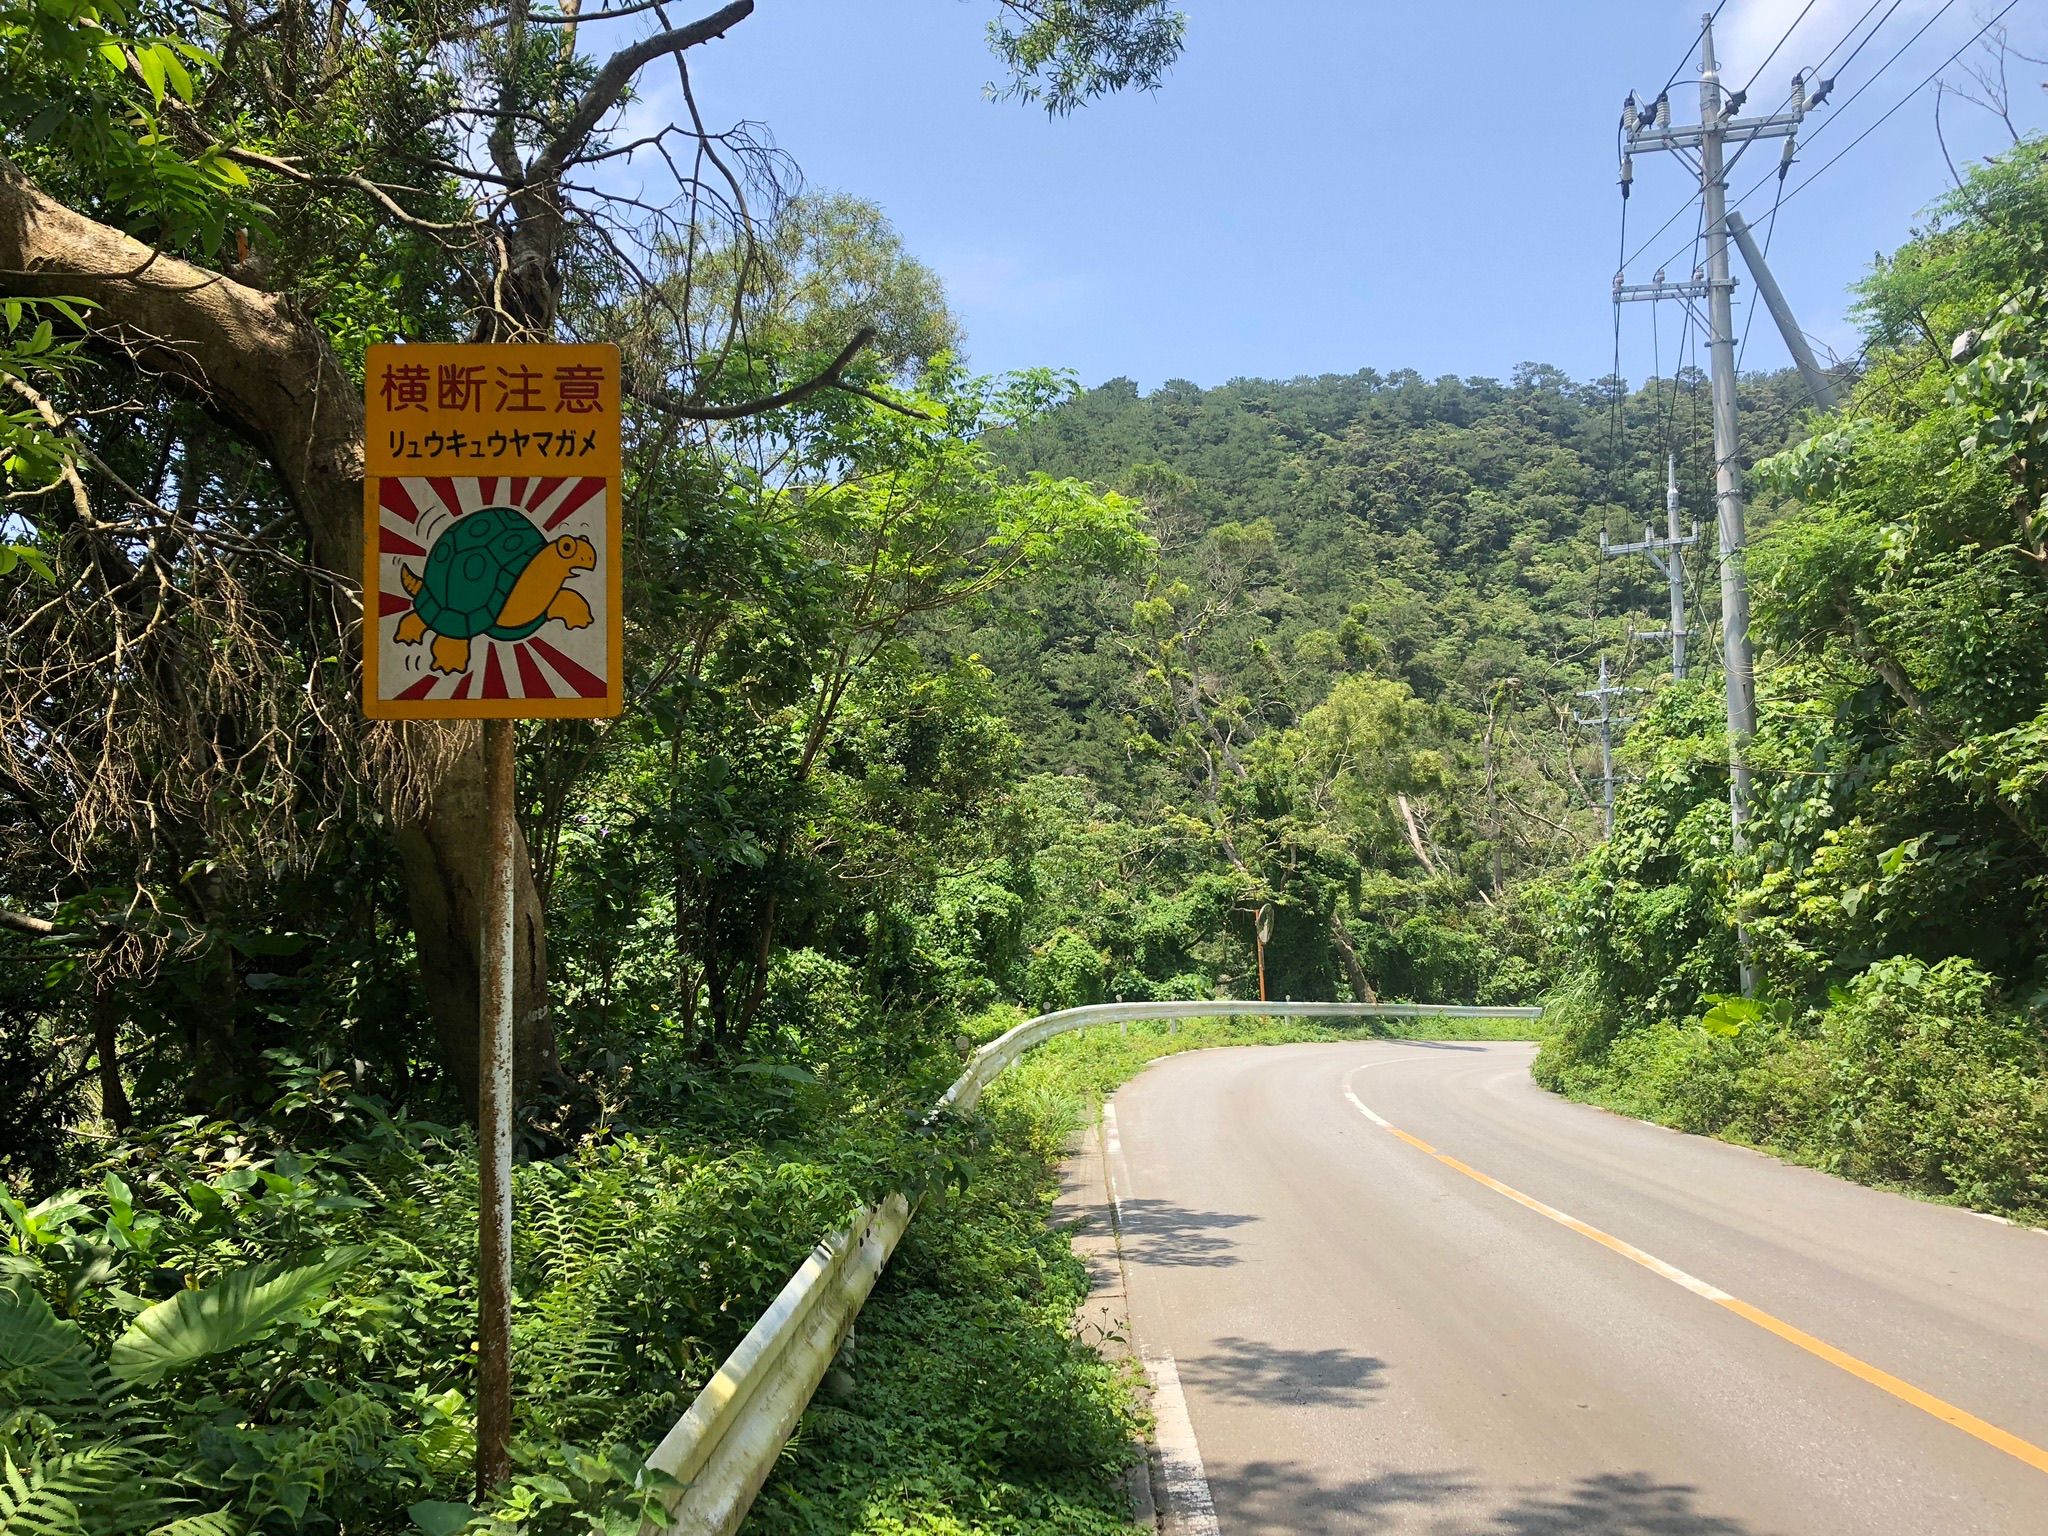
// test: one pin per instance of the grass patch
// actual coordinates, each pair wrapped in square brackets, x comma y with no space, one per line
[972,1409]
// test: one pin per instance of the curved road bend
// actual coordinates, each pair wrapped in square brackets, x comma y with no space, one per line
[1370,1339]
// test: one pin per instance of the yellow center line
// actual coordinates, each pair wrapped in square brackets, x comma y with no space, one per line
[1999,1439]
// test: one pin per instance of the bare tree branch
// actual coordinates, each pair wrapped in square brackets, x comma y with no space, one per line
[618,74]
[690,408]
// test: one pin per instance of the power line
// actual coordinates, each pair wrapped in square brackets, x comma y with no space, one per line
[1677,214]
[1887,16]
[1686,57]
[1781,42]
[1664,90]
[1835,116]
[1853,27]
[1784,38]
[1935,74]
[1921,32]
[1784,196]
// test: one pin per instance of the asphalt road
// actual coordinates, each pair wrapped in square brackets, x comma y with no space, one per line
[1368,1338]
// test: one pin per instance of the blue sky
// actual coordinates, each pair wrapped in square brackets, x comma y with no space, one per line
[1324,186]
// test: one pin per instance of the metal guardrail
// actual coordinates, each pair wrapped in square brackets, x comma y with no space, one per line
[724,1447]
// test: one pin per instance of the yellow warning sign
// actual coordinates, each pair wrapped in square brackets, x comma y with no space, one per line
[491,532]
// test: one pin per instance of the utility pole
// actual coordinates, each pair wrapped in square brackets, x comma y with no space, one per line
[1736,655]
[1665,554]
[1603,725]
[1718,127]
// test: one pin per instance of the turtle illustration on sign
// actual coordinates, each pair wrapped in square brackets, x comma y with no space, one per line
[493,573]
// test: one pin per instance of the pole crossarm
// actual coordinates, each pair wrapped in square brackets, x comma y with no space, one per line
[1666,553]
[1650,545]
[1734,130]
[1637,292]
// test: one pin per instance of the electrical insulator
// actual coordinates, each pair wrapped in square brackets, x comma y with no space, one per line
[1785,160]
[1663,114]
[1799,91]
[1617,285]
[1628,173]
[1629,115]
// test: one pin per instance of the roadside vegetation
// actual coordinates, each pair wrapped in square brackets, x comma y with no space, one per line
[1894,891]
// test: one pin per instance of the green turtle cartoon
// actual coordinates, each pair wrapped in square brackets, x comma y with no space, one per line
[493,573]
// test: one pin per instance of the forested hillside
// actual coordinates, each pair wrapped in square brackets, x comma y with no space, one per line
[1347,685]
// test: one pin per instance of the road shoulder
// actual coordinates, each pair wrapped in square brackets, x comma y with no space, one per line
[1086,1213]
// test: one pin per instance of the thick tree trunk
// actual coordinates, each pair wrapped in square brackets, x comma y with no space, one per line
[1361,988]
[266,370]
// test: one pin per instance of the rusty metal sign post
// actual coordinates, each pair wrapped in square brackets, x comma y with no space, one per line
[491,592]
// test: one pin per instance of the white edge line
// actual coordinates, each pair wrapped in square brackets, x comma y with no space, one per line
[1359,1104]
[1190,1511]
[1112,1163]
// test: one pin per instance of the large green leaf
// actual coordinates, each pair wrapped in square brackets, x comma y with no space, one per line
[437,1517]
[45,1362]
[236,1310]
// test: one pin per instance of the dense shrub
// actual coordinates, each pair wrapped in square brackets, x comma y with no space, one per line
[1065,972]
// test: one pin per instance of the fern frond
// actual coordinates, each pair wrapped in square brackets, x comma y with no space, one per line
[218,1523]
[39,1512]
[100,1490]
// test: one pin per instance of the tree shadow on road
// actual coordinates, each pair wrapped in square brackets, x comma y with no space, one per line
[1287,1496]
[1162,1233]
[1436,1045]
[1245,1371]
[1616,1504]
